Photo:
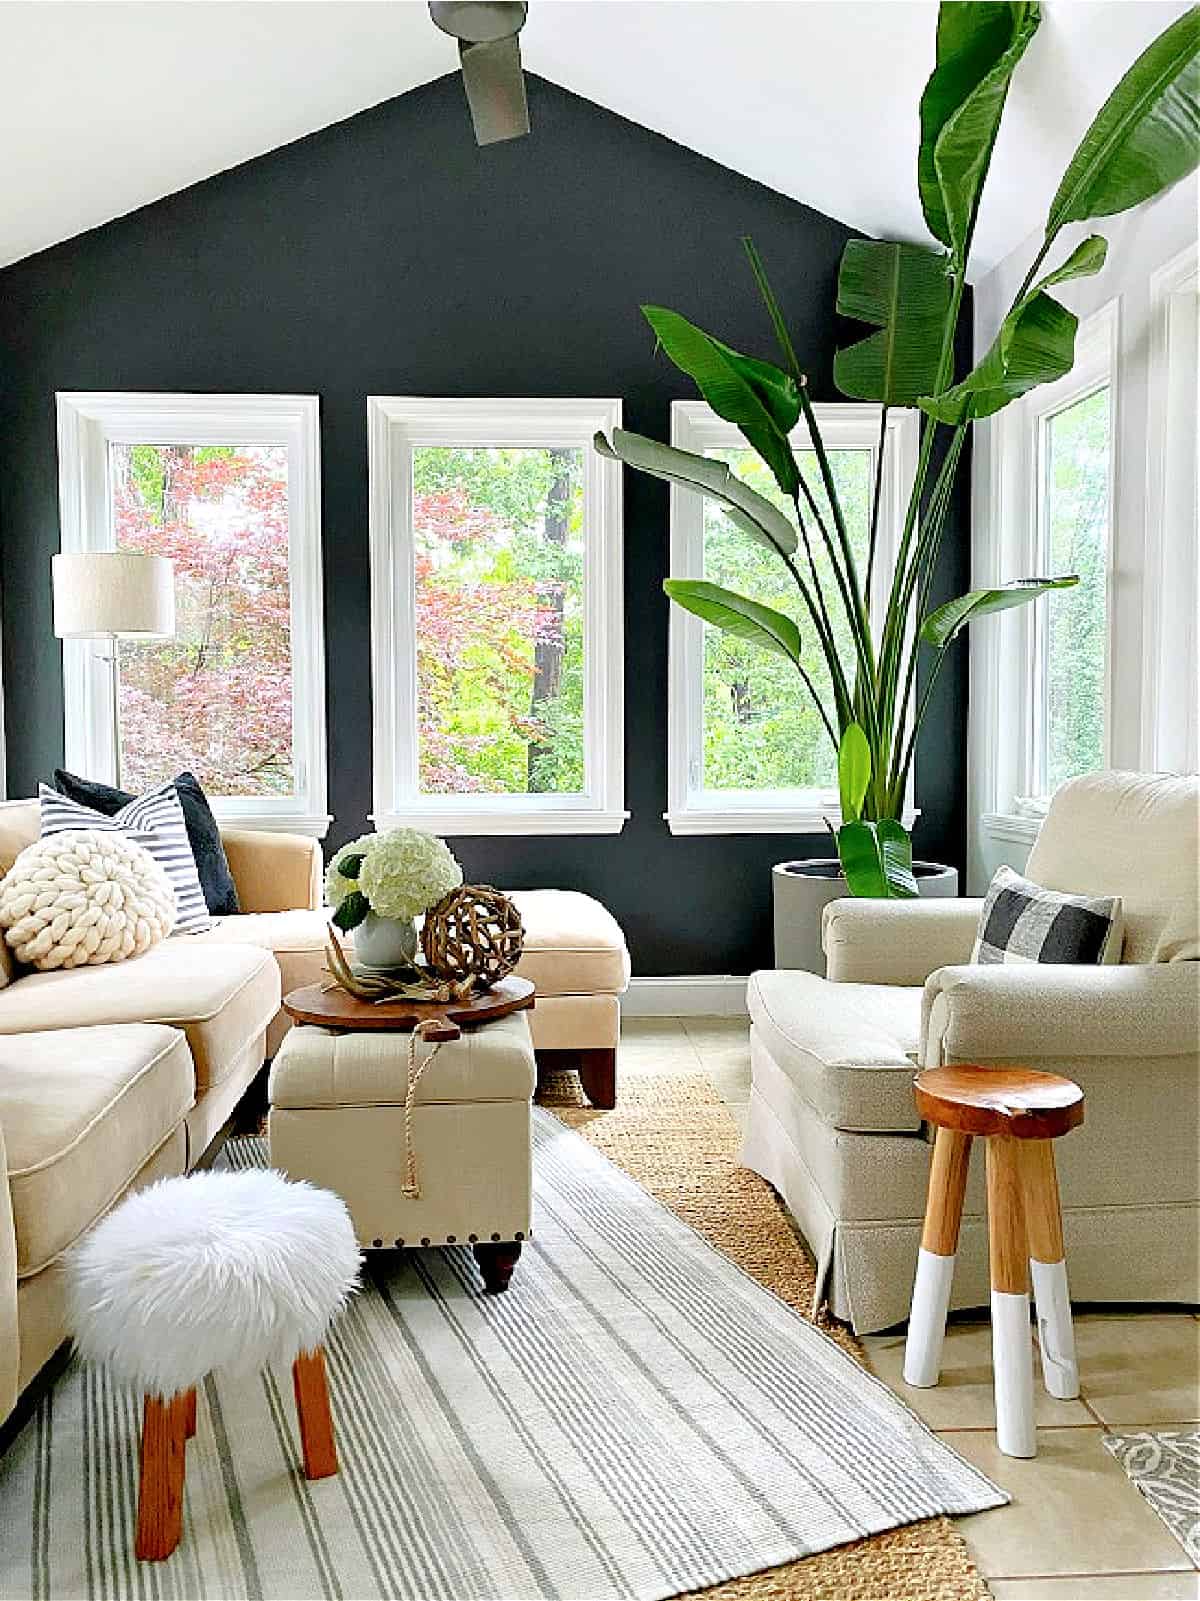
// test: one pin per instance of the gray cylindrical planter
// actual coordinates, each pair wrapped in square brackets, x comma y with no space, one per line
[802,891]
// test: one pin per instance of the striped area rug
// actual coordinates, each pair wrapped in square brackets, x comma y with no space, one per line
[636,1418]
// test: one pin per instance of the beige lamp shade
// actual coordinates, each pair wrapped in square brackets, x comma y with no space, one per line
[113,594]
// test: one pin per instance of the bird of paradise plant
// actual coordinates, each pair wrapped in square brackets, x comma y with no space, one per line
[1145,138]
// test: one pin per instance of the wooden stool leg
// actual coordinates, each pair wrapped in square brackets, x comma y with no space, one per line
[189,1413]
[1012,1345]
[316,1420]
[935,1260]
[1047,1261]
[160,1493]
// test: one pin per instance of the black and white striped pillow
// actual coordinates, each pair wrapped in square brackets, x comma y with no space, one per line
[155,822]
[1022,922]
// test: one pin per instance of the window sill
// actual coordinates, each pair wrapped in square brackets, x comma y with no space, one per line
[1010,827]
[767,820]
[315,824]
[459,824]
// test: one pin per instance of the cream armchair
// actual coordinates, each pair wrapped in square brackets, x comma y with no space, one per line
[832,1123]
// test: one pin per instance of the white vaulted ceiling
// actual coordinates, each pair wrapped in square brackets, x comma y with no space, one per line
[106,104]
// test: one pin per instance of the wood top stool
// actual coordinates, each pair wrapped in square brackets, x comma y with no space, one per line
[1020,1113]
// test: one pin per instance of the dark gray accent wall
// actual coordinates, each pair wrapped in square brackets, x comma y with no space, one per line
[389,255]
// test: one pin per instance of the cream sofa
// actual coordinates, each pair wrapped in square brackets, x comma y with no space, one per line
[113,1076]
[832,1123]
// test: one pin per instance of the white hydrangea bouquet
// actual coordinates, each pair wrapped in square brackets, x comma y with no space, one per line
[379,883]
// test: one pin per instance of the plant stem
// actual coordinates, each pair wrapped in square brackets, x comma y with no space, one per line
[841,692]
[893,624]
[883,412]
[851,594]
[773,309]
[931,541]
[1031,274]
[816,700]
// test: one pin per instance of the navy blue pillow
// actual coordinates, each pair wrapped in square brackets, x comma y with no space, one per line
[220,892]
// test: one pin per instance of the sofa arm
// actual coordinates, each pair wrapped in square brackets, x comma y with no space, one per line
[10,1343]
[1007,1013]
[895,942]
[274,872]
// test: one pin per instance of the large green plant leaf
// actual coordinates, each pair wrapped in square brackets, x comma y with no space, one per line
[1145,137]
[978,48]
[761,400]
[736,614]
[854,771]
[942,625]
[1035,345]
[750,511]
[904,290]
[877,859]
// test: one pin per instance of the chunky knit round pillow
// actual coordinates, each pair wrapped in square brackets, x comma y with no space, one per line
[84,897]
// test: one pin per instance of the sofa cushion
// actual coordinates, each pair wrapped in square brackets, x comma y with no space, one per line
[316,1068]
[20,825]
[573,945]
[221,996]
[296,939]
[81,1110]
[849,1049]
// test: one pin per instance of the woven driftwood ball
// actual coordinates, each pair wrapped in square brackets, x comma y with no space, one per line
[474,932]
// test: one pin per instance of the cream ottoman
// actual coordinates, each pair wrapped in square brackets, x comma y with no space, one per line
[338,1119]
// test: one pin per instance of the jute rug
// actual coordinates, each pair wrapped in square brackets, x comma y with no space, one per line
[635,1419]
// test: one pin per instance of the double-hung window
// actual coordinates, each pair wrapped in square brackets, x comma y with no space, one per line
[228,488]
[747,749]
[495,535]
[1047,711]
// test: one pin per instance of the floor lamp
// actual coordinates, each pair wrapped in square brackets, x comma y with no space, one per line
[113,595]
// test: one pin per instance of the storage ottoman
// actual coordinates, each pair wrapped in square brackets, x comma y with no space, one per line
[337,1118]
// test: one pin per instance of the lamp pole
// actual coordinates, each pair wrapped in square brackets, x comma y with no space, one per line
[114,666]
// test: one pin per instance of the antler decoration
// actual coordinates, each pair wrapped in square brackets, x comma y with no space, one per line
[376,987]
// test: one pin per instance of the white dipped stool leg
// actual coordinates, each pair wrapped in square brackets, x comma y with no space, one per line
[1012,1374]
[1012,1345]
[935,1260]
[1043,1222]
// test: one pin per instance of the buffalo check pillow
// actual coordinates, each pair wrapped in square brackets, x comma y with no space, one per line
[1022,922]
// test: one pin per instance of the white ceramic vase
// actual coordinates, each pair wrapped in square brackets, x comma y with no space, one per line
[385,941]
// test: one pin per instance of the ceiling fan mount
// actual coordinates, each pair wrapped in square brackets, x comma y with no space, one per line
[490,54]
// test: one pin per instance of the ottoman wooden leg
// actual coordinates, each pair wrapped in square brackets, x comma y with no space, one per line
[189,1413]
[1043,1222]
[1012,1344]
[160,1493]
[598,1075]
[496,1259]
[312,1410]
[935,1260]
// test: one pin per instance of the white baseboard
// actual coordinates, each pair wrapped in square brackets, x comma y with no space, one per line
[702,995]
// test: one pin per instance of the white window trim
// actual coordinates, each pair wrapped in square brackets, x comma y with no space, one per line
[87,425]
[1170,690]
[397,424]
[1007,650]
[695,427]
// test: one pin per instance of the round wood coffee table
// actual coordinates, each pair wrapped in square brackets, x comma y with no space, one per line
[330,1006]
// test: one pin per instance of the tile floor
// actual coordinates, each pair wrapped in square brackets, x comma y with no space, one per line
[1076,1530]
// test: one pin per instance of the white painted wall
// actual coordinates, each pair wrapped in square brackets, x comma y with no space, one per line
[1141,244]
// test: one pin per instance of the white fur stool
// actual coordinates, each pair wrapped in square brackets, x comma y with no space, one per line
[217,1272]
